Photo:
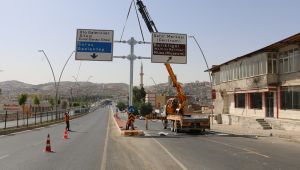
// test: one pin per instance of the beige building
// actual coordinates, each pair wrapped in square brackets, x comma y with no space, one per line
[262,84]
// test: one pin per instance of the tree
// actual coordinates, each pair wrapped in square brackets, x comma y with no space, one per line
[22,100]
[64,104]
[143,94]
[138,98]
[121,106]
[145,109]
[36,100]
[51,102]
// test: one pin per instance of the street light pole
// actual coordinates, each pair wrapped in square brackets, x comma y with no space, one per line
[89,78]
[56,84]
[193,37]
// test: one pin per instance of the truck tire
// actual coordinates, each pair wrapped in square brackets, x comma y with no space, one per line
[172,126]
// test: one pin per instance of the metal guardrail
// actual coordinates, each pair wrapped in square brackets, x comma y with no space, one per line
[18,119]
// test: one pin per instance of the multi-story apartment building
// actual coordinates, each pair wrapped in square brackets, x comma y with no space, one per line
[263,83]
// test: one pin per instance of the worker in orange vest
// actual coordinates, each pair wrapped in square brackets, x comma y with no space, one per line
[130,121]
[67,120]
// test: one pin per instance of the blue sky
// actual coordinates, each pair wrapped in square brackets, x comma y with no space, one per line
[224,29]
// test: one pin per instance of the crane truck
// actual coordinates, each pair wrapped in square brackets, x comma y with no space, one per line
[175,109]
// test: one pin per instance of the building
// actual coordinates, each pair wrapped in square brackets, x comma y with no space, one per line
[262,84]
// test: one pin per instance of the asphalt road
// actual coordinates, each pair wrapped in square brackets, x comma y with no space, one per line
[83,150]
[214,150]
[95,143]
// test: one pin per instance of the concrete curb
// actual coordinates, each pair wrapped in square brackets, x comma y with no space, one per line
[112,114]
[268,133]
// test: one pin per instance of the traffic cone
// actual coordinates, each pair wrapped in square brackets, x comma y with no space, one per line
[48,146]
[66,134]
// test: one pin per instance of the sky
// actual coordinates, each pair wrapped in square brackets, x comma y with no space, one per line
[224,30]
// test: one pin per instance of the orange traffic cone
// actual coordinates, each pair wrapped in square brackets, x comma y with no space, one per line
[48,146]
[66,134]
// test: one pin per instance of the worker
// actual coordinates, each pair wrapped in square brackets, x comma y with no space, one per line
[67,120]
[130,121]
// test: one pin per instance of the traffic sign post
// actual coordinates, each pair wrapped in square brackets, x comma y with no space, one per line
[131,109]
[169,48]
[94,45]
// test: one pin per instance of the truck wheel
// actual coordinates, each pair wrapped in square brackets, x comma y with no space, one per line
[172,126]
[175,126]
[165,124]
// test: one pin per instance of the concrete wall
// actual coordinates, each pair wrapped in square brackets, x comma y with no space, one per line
[240,120]
[260,113]
[281,124]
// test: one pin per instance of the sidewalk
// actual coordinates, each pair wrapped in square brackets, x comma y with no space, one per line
[239,130]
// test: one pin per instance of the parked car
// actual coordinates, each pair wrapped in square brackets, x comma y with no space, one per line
[142,118]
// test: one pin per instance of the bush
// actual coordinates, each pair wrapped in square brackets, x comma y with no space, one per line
[145,109]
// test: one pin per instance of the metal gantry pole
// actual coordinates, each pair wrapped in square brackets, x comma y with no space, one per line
[132,42]
[131,57]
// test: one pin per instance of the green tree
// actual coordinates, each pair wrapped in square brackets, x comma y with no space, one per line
[143,94]
[138,98]
[121,106]
[22,100]
[145,109]
[36,100]
[139,94]
[64,104]
[51,102]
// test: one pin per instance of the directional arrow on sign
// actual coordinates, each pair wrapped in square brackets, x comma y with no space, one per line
[94,55]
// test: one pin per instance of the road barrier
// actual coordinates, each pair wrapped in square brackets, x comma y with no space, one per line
[12,120]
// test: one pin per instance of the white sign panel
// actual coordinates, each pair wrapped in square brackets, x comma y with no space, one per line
[169,48]
[95,45]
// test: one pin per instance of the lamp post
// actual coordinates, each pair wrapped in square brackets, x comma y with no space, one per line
[210,79]
[89,78]
[56,84]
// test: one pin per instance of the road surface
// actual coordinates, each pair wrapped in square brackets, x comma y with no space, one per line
[95,143]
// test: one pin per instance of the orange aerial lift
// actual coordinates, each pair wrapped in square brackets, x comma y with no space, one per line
[176,107]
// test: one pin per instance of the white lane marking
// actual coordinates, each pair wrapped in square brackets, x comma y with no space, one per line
[4,156]
[240,148]
[172,156]
[104,158]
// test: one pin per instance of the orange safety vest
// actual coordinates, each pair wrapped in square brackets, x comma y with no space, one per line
[67,117]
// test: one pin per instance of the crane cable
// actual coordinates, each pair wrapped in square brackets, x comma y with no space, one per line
[138,18]
[137,15]
[126,19]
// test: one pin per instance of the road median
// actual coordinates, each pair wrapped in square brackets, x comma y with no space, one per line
[121,124]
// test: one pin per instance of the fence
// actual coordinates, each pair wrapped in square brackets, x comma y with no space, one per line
[20,119]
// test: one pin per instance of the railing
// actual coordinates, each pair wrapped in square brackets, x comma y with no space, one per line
[20,119]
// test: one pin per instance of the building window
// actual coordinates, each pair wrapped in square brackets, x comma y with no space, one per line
[289,61]
[290,97]
[239,100]
[272,63]
[256,100]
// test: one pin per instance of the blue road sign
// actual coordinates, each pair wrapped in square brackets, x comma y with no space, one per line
[95,45]
[131,109]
